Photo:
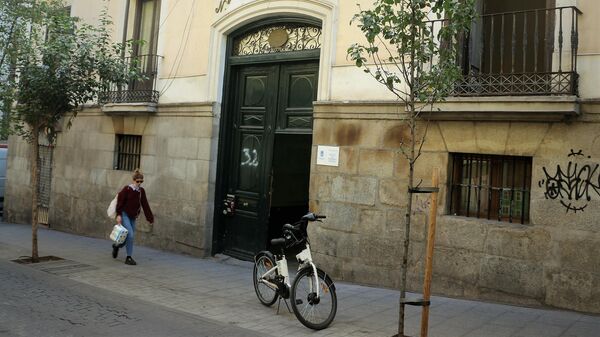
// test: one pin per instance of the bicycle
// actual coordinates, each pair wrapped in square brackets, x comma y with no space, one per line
[313,296]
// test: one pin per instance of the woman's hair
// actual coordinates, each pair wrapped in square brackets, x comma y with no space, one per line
[137,174]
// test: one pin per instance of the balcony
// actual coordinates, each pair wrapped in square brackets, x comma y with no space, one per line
[520,53]
[136,91]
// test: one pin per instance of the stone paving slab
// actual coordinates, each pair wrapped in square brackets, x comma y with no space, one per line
[36,303]
[221,289]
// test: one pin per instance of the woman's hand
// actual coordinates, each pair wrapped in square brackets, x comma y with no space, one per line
[119,219]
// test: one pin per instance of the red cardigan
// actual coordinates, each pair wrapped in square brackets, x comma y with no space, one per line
[129,202]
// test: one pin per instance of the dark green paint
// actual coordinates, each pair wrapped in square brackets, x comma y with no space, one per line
[266,97]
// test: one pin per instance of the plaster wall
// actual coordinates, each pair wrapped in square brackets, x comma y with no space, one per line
[589,72]
[192,49]
[588,23]
[89,10]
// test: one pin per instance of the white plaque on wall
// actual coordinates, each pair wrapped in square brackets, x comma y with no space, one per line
[328,155]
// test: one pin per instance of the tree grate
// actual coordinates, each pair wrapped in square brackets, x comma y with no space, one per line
[58,266]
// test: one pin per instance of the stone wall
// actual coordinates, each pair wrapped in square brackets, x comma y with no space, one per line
[17,198]
[177,159]
[554,260]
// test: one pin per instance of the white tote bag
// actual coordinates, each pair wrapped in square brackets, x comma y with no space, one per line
[111,211]
[118,234]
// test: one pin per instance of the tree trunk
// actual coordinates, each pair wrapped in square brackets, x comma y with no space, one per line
[407,224]
[411,165]
[35,177]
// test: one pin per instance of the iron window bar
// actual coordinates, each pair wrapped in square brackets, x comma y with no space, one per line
[128,152]
[506,201]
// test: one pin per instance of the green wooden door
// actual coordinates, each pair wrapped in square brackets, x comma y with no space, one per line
[266,100]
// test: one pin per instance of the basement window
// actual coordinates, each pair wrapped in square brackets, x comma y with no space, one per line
[128,150]
[491,187]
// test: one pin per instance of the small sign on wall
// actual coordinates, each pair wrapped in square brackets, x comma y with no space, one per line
[328,155]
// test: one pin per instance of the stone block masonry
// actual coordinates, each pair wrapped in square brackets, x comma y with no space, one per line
[175,158]
[552,259]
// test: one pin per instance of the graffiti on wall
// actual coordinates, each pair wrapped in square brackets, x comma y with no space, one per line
[574,184]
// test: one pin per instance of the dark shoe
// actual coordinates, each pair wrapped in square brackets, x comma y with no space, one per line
[115,251]
[130,261]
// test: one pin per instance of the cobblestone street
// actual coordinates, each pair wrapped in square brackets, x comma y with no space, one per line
[34,303]
[176,295]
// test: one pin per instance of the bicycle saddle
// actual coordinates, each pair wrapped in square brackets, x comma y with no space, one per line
[278,242]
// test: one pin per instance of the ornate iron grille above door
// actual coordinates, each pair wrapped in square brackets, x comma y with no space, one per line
[278,38]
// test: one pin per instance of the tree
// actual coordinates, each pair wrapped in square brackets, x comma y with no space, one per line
[412,48]
[14,18]
[56,63]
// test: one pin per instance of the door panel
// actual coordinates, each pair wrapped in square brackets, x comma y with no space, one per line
[253,102]
[250,163]
[298,91]
[264,100]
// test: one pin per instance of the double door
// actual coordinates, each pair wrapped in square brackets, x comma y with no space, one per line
[270,107]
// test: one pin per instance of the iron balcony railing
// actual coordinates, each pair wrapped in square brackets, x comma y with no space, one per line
[136,91]
[530,52]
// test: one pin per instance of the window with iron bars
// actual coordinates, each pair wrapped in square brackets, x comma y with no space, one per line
[491,187]
[128,150]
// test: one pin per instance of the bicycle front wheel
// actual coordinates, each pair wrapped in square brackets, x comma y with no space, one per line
[312,311]
[265,294]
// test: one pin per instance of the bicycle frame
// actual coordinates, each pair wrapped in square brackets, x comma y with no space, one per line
[281,267]
[304,258]
[315,303]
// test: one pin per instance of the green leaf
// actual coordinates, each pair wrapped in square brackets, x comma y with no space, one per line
[399,36]
[61,63]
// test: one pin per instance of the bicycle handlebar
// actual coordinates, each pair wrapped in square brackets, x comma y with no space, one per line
[296,232]
[311,217]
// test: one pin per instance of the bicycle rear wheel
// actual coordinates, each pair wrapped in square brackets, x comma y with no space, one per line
[266,295]
[315,313]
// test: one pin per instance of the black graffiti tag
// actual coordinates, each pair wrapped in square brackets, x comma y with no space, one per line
[574,185]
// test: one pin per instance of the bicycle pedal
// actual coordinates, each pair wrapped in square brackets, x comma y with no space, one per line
[298,301]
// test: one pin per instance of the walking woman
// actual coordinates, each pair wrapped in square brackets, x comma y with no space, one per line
[131,198]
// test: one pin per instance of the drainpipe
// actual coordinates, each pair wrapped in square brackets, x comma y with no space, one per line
[125,24]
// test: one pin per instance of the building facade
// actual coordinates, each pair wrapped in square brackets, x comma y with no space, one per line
[251,114]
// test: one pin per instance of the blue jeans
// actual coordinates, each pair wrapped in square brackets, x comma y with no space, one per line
[128,223]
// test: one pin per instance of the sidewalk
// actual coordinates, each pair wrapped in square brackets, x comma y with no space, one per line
[221,289]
